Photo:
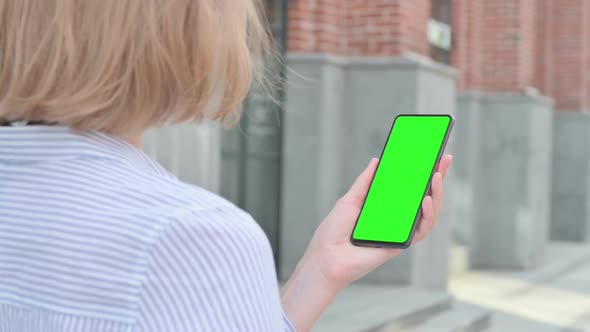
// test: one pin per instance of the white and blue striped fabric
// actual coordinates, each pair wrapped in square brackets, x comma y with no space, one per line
[95,236]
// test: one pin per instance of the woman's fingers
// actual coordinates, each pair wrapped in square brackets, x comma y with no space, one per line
[431,204]
[360,187]
[427,220]
[437,183]
[437,192]
[445,163]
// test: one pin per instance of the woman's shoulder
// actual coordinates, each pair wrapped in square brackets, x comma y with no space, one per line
[214,230]
[160,195]
[207,214]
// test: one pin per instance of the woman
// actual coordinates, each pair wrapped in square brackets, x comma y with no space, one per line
[95,236]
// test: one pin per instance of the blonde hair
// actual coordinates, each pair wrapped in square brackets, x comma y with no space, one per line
[127,65]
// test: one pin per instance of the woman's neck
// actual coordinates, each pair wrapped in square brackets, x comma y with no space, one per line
[133,139]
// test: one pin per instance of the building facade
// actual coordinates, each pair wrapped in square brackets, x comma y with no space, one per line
[514,73]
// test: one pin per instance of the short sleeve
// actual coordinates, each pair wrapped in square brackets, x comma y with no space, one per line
[211,271]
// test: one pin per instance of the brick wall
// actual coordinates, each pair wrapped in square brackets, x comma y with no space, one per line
[467,39]
[587,49]
[527,47]
[374,27]
[499,45]
[586,56]
[543,48]
[358,27]
[525,43]
[315,25]
[569,44]
[414,16]
[507,45]
[571,52]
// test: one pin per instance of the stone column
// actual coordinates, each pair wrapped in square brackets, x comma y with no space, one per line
[312,150]
[466,134]
[570,209]
[569,74]
[338,114]
[191,152]
[511,182]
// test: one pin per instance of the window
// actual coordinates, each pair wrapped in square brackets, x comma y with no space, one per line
[439,30]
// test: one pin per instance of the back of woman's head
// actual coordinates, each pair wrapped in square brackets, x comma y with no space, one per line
[126,65]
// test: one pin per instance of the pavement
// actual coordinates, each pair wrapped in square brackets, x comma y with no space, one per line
[362,307]
[552,298]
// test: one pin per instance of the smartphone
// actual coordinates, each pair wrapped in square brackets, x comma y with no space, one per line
[393,205]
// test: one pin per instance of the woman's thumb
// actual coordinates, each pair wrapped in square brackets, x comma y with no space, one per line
[360,187]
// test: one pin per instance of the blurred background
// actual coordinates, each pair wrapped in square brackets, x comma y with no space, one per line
[511,251]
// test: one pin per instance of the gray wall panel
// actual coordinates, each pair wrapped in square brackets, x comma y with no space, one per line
[571,177]
[338,114]
[511,181]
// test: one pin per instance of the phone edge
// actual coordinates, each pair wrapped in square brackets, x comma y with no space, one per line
[404,245]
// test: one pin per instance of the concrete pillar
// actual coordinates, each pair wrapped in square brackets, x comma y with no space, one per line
[191,152]
[511,182]
[338,113]
[311,157]
[570,77]
[570,213]
[466,134]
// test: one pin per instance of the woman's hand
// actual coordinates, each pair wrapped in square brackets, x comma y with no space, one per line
[331,262]
[342,262]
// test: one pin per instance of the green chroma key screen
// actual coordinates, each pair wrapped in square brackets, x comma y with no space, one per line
[401,180]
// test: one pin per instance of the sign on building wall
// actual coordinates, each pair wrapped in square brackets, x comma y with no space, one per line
[439,34]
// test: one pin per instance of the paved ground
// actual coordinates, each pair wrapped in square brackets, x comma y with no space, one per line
[367,307]
[553,298]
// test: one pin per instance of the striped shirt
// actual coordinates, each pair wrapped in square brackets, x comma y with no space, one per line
[95,236]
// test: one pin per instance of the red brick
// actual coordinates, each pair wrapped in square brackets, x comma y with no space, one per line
[568,72]
[499,45]
[360,27]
